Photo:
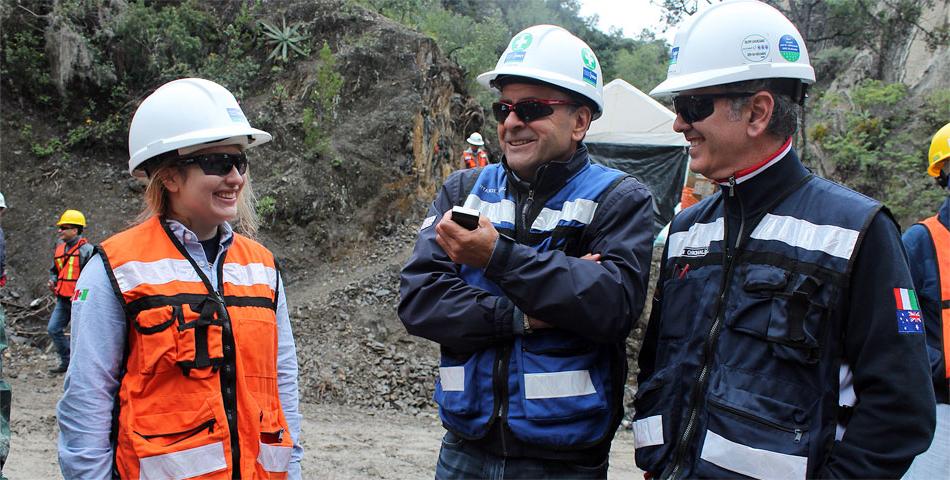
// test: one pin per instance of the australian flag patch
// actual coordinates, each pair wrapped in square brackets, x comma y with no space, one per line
[908,311]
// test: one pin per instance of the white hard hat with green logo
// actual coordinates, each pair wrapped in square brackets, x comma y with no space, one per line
[552,55]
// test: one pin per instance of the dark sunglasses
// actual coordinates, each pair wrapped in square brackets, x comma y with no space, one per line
[218,163]
[67,227]
[694,108]
[527,110]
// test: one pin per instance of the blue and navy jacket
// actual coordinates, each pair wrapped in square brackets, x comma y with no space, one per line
[922,260]
[775,321]
[553,393]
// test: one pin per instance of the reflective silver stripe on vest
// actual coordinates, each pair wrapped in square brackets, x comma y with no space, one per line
[501,212]
[830,239]
[452,379]
[753,462]
[648,432]
[580,210]
[557,384]
[698,237]
[132,274]
[184,464]
[274,458]
[250,274]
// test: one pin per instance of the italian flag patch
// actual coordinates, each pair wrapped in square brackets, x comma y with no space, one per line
[908,311]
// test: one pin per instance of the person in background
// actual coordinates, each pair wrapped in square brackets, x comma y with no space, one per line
[5,391]
[72,253]
[532,308]
[784,339]
[928,255]
[475,156]
[184,362]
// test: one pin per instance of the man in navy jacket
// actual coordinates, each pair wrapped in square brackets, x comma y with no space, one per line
[532,308]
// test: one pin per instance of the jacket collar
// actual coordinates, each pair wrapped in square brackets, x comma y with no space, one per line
[760,188]
[944,213]
[551,176]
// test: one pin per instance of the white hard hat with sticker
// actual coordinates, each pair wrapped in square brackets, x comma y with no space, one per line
[552,55]
[187,115]
[734,41]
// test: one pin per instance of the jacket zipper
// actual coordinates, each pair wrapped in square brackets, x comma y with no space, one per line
[748,416]
[713,336]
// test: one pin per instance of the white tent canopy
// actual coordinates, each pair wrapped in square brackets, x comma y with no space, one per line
[631,117]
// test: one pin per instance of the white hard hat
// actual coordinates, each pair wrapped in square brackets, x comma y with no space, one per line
[3,202]
[734,41]
[188,115]
[555,56]
[475,139]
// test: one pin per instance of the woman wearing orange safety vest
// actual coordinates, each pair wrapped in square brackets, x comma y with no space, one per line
[72,253]
[181,322]
[928,254]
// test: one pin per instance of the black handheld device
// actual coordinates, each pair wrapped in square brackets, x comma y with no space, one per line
[466,217]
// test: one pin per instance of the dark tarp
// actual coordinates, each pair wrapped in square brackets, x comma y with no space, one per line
[661,168]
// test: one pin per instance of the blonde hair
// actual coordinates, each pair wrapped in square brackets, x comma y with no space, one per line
[157,203]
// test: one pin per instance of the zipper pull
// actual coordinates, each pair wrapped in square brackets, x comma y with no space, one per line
[732,186]
[798,435]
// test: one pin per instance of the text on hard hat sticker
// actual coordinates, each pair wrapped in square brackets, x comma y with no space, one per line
[514,57]
[236,115]
[755,48]
[674,55]
[590,76]
[788,47]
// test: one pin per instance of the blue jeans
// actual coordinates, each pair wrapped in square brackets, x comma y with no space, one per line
[458,460]
[57,326]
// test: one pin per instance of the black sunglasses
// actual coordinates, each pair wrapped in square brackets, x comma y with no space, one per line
[527,110]
[218,163]
[694,108]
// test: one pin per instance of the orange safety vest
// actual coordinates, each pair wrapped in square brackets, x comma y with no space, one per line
[941,239]
[199,398]
[471,161]
[67,268]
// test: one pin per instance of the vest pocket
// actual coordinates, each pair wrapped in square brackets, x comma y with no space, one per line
[738,441]
[155,343]
[457,387]
[561,377]
[782,307]
[656,421]
[179,444]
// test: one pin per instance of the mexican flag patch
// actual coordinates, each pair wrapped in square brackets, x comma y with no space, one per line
[80,295]
[908,311]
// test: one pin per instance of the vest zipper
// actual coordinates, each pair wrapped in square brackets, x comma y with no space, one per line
[748,416]
[713,337]
[501,389]
[191,432]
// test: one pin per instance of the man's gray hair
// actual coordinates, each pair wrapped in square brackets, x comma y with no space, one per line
[785,114]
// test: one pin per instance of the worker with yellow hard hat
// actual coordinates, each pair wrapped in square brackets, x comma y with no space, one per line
[72,253]
[928,253]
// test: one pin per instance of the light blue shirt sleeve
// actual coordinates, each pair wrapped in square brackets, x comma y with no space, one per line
[85,411]
[98,335]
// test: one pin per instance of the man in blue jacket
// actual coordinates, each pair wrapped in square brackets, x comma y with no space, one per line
[532,307]
[928,255]
[785,340]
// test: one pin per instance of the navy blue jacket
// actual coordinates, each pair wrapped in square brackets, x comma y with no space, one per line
[922,260]
[593,304]
[775,305]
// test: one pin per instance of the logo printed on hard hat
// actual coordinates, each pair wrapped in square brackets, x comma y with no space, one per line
[590,63]
[236,115]
[518,46]
[674,55]
[788,47]
[755,48]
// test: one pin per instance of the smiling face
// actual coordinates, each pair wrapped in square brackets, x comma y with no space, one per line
[202,202]
[527,146]
[717,142]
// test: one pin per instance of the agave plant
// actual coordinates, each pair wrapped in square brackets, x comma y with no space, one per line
[284,39]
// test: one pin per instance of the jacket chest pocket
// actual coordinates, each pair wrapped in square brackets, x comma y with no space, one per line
[188,337]
[787,309]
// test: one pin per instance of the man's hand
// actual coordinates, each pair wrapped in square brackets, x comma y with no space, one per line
[51,286]
[536,324]
[466,247]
